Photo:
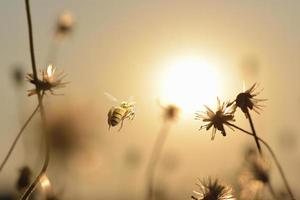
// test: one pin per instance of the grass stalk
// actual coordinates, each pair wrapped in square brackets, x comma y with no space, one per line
[154,158]
[254,132]
[278,165]
[17,138]
[43,170]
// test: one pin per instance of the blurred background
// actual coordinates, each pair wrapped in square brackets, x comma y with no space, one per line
[181,52]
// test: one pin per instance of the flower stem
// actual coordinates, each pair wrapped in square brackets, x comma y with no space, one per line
[254,132]
[271,190]
[31,46]
[17,138]
[155,155]
[52,52]
[273,156]
[42,109]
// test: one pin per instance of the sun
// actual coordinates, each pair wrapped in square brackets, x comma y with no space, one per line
[189,82]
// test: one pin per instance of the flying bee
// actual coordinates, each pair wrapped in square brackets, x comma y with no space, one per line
[117,114]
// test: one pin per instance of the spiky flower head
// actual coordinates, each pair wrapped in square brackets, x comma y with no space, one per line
[212,190]
[49,81]
[247,100]
[223,114]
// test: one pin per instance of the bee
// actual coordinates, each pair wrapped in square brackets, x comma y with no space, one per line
[117,114]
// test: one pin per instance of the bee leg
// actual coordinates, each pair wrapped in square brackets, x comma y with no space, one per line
[132,116]
[121,125]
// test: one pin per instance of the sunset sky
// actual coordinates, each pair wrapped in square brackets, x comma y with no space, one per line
[182,52]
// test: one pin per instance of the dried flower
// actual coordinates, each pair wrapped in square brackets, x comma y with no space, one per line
[18,74]
[171,112]
[259,169]
[48,82]
[212,190]
[246,100]
[254,175]
[65,23]
[24,178]
[223,115]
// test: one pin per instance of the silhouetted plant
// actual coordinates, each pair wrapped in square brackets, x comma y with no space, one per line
[212,189]
[64,27]
[218,121]
[48,82]
[170,114]
[247,101]
[24,179]
[256,175]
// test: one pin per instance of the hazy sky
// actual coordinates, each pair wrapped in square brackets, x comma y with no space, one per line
[122,47]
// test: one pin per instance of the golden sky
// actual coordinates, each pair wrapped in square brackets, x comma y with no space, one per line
[185,52]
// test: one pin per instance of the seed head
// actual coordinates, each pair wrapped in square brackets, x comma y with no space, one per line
[65,24]
[254,176]
[259,169]
[170,112]
[246,100]
[24,178]
[49,81]
[212,190]
[218,119]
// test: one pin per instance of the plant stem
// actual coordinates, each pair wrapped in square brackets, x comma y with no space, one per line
[273,156]
[154,158]
[31,46]
[33,185]
[17,138]
[52,52]
[254,132]
[42,109]
[271,189]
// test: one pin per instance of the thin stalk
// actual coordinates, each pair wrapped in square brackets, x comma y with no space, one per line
[273,156]
[253,131]
[18,137]
[42,109]
[33,185]
[52,52]
[154,158]
[271,190]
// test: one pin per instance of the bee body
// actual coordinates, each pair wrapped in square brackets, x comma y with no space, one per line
[119,113]
[115,115]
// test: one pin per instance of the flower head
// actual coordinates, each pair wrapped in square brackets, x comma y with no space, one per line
[170,112]
[65,23]
[254,176]
[246,100]
[48,82]
[24,178]
[259,169]
[212,190]
[223,115]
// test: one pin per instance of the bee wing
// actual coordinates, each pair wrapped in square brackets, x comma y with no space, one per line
[131,99]
[110,97]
